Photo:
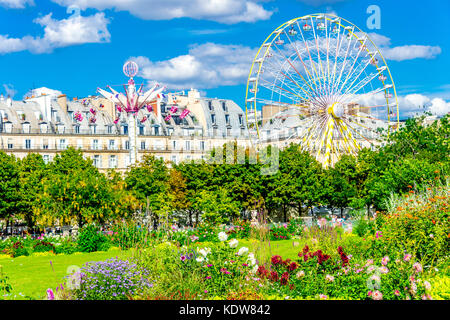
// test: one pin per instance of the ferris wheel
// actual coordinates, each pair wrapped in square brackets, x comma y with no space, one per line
[321,82]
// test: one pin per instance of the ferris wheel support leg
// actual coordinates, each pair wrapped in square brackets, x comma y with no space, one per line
[132,138]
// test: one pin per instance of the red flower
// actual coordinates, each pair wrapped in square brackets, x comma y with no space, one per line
[276,260]
[274,276]
[292,266]
[262,271]
[284,278]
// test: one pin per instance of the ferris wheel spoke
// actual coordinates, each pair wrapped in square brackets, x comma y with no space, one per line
[310,77]
[338,48]
[344,63]
[356,78]
[350,73]
[359,86]
[318,55]
[292,80]
[295,69]
[310,57]
[353,144]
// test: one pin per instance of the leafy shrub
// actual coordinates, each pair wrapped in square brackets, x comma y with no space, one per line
[363,226]
[280,232]
[43,246]
[240,230]
[91,239]
[5,287]
[112,279]
[419,223]
[17,249]
[206,232]
[66,247]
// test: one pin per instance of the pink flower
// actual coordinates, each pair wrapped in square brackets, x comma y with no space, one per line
[407,257]
[369,293]
[323,297]
[385,260]
[397,293]
[50,294]
[377,295]
[417,267]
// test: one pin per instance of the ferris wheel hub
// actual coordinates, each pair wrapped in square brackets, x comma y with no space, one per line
[336,110]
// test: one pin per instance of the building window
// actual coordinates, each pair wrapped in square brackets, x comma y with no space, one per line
[141,130]
[62,144]
[10,144]
[109,129]
[113,161]
[8,127]
[213,118]
[125,129]
[112,144]
[188,145]
[127,145]
[26,127]
[210,105]
[97,161]
[227,118]
[142,145]
[174,159]
[228,132]
[27,144]
[224,106]
[93,129]
[77,129]
[174,145]
[95,144]
[202,145]
[156,131]
[60,128]
[240,119]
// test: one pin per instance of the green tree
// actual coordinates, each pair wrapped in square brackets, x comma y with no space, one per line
[148,180]
[9,187]
[74,191]
[32,170]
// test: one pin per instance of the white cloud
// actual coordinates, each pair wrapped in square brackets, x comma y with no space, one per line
[224,11]
[16,4]
[60,33]
[205,66]
[411,52]
[409,105]
[406,52]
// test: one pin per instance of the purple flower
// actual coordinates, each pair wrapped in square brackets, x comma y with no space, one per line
[50,294]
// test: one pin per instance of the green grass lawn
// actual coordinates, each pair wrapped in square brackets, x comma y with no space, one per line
[31,276]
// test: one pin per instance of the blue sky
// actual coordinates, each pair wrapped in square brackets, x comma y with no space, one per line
[205,44]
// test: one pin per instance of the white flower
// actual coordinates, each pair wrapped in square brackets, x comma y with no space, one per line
[199,259]
[242,251]
[300,274]
[255,269]
[329,278]
[223,236]
[204,251]
[251,258]
[233,243]
[427,285]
